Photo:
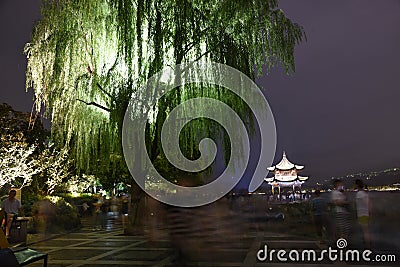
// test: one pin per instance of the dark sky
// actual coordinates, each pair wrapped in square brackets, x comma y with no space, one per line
[16,21]
[337,114]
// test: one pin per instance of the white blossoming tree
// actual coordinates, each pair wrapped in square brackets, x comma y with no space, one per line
[25,158]
[18,165]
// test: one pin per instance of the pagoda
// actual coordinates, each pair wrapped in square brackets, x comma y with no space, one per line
[285,175]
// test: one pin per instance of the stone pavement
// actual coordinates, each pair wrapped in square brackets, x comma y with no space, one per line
[205,246]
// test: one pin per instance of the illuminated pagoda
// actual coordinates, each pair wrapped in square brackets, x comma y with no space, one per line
[285,175]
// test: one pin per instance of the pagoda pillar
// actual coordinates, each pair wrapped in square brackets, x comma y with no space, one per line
[279,188]
[294,192]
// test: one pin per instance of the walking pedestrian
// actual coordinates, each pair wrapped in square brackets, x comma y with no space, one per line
[341,210]
[319,207]
[363,210]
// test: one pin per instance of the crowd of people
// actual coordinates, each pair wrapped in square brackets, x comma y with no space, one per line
[103,207]
[100,209]
[341,208]
[332,216]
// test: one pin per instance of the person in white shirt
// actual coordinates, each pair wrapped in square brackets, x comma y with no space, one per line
[363,210]
[11,206]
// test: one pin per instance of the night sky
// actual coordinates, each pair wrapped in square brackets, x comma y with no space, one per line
[337,114]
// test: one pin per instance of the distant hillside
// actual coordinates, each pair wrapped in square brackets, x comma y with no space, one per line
[375,178]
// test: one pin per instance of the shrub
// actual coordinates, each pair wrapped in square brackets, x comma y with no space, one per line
[53,214]
[79,200]
[28,201]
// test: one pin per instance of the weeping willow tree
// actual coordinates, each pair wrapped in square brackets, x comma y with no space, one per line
[87,58]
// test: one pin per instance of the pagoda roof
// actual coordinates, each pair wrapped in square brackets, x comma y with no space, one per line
[286,179]
[285,164]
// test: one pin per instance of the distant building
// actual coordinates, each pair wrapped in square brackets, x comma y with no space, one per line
[285,175]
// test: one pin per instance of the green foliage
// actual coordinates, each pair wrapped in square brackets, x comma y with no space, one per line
[28,201]
[169,172]
[87,58]
[78,184]
[79,200]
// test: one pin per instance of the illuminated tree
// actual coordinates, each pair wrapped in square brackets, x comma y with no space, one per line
[18,165]
[20,140]
[87,58]
[80,183]
[57,168]
[25,156]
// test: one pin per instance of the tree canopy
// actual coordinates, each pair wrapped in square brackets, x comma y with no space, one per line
[87,58]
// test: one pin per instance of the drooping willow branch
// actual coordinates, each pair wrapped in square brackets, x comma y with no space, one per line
[120,44]
[88,53]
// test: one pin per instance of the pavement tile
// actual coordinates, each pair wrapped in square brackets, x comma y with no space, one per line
[76,254]
[138,255]
[289,245]
[50,265]
[57,243]
[220,255]
[156,244]
[108,244]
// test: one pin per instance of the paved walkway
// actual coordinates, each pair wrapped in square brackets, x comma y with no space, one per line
[220,245]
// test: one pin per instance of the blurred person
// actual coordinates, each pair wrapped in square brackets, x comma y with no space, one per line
[124,209]
[45,214]
[11,207]
[341,210]
[97,213]
[85,208]
[319,208]
[114,207]
[104,208]
[363,210]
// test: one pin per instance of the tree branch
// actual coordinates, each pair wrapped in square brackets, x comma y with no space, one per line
[105,92]
[190,45]
[94,104]
[197,59]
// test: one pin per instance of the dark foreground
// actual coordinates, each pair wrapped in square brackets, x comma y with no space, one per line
[221,234]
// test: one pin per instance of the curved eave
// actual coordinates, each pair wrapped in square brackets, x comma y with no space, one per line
[303,178]
[285,168]
[292,179]
[286,184]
